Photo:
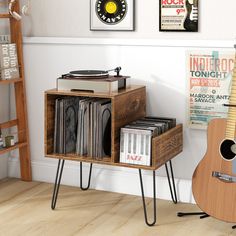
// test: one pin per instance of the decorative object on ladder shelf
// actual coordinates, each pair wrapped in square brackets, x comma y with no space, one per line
[9,68]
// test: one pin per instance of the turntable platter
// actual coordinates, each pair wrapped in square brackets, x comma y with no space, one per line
[89,73]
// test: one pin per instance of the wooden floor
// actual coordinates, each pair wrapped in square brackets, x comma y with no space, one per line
[25,210]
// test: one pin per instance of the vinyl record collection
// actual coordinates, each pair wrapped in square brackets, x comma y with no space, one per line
[136,139]
[83,126]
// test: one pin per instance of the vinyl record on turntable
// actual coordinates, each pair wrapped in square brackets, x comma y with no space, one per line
[89,73]
[93,73]
[112,15]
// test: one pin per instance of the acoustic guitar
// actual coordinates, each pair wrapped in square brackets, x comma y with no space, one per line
[191,21]
[214,179]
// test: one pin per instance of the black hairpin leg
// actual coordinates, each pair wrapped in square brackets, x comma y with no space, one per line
[81,176]
[204,216]
[57,183]
[180,214]
[172,191]
[154,199]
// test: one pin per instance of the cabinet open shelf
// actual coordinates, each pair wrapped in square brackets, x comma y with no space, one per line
[127,105]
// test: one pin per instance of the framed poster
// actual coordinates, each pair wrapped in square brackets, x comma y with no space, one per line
[112,15]
[178,15]
[209,75]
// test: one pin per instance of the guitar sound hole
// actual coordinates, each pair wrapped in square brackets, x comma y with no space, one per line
[226,149]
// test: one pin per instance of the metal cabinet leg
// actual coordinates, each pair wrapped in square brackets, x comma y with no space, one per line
[172,191]
[181,214]
[81,176]
[204,216]
[57,183]
[154,199]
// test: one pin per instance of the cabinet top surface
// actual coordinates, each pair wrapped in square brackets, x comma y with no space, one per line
[91,94]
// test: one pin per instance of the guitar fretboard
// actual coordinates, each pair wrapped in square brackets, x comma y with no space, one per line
[195,3]
[231,120]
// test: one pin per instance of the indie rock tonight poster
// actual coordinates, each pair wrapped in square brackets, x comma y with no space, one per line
[209,75]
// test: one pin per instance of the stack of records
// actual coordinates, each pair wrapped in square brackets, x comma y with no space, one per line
[83,126]
[66,119]
[136,139]
[94,128]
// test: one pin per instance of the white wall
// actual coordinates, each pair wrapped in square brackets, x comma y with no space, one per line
[60,18]
[3,22]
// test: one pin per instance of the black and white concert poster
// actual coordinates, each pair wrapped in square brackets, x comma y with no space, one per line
[178,15]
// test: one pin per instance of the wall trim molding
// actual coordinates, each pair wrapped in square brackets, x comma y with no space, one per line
[131,42]
[106,179]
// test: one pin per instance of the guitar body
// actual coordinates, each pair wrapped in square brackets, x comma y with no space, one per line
[190,25]
[191,21]
[214,196]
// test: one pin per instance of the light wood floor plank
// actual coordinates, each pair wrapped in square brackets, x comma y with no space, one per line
[25,210]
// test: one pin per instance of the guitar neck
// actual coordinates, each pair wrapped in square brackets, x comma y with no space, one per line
[231,120]
[195,3]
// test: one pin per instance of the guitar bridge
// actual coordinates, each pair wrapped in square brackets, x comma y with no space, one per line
[224,177]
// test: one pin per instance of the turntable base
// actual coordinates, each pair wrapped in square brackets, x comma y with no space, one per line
[105,84]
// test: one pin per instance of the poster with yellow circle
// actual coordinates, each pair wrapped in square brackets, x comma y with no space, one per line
[117,15]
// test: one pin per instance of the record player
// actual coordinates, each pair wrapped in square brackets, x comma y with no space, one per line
[98,81]
[93,73]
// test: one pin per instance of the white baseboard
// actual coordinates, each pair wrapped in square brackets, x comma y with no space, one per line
[106,178]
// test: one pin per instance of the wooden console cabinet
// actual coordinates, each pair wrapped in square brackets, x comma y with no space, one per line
[127,105]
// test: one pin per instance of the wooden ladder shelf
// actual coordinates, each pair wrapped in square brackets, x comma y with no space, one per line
[21,121]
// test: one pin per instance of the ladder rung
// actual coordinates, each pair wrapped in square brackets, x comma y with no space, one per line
[8,124]
[9,81]
[6,15]
[8,149]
